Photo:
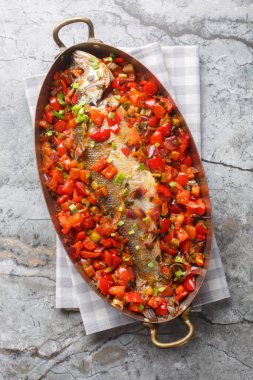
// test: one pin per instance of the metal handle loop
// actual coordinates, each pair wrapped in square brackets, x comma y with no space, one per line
[177,343]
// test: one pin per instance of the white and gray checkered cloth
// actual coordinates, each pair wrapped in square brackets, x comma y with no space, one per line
[177,67]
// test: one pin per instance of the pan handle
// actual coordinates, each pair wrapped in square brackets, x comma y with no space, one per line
[177,343]
[73,20]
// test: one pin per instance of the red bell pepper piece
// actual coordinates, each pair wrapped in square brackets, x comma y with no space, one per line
[60,126]
[189,284]
[133,296]
[100,165]
[183,197]
[81,189]
[68,186]
[201,228]
[159,111]
[136,97]
[153,122]
[109,172]
[162,309]
[105,283]
[164,190]
[89,254]
[165,129]
[124,275]
[197,207]
[182,178]
[88,223]
[115,120]
[100,136]
[150,88]
[156,163]
[126,151]
[48,116]
[55,104]
[89,245]
[156,137]
[64,86]
[181,296]
[182,235]
[97,117]
[165,224]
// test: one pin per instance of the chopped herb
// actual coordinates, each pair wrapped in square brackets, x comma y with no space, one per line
[75,85]
[109,160]
[126,104]
[175,142]
[132,232]
[179,259]
[172,184]
[146,219]
[122,76]
[111,115]
[157,144]
[120,208]
[65,176]
[107,59]
[88,175]
[140,307]
[151,265]
[163,177]
[112,55]
[92,58]
[60,98]
[49,132]
[81,118]
[135,226]
[161,289]
[115,91]
[124,192]
[113,234]
[62,112]
[117,96]
[76,108]
[179,273]
[120,223]
[119,178]
[142,166]
[92,144]
[125,258]
[72,208]
[57,114]
[114,145]
[155,292]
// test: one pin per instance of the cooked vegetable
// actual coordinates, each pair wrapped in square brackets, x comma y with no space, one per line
[128,199]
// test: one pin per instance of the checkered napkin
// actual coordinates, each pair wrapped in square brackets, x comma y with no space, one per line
[177,67]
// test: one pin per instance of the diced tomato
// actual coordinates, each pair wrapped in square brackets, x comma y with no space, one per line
[115,129]
[154,302]
[159,111]
[181,296]
[187,161]
[114,120]
[88,223]
[165,224]
[101,136]
[68,186]
[133,296]
[64,198]
[65,223]
[100,165]
[104,284]
[124,275]
[74,173]
[84,176]
[183,197]
[150,88]
[55,104]
[201,228]
[186,246]
[164,190]
[153,122]
[97,117]
[64,86]
[162,309]
[75,250]
[137,97]
[126,150]
[182,178]
[156,163]
[197,207]
[182,235]
[81,189]
[80,236]
[44,124]
[109,172]
[48,116]
[169,104]
[165,129]
[156,137]
[60,126]
[117,291]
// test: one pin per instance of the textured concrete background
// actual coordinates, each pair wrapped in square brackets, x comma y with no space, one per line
[39,342]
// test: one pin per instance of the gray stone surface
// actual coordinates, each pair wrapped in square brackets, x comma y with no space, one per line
[36,340]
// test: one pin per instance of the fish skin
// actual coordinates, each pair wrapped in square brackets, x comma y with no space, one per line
[129,166]
[93,82]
